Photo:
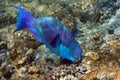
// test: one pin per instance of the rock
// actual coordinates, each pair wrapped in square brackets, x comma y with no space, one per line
[22,60]
[30,52]
[13,54]
[49,2]
[52,58]
[77,12]
[3,52]
[3,45]
[32,69]
[31,44]
[92,55]
[8,71]
[1,0]
[42,49]
[22,71]
[111,75]
[102,76]
[66,72]
[6,18]
[117,31]
[110,31]
[104,9]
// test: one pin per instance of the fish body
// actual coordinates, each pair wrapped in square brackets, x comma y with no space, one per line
[51,32]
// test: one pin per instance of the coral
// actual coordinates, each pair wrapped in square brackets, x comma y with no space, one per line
[3,45]
[107,74]
[66,72]
[104,9]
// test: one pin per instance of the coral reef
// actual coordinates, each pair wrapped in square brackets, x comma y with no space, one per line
[95,25]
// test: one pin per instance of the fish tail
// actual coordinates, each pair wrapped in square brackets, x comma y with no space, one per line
[24,18]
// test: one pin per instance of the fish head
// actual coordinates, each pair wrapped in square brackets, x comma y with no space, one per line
[77,52]
[71,47]
[71,54]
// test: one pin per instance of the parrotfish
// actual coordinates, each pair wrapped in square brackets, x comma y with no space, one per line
[51,32]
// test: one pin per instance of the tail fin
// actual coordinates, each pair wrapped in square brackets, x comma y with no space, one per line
[24,19]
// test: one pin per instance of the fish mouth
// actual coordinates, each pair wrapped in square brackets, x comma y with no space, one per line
[77,59]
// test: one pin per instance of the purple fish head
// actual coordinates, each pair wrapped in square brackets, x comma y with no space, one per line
[77,52]
[72,53]
[71,49]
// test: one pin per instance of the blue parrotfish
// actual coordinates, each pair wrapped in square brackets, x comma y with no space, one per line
[51,32]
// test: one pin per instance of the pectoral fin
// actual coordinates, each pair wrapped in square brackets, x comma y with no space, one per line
[56,41]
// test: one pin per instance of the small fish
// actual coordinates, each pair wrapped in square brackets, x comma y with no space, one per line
[51,32]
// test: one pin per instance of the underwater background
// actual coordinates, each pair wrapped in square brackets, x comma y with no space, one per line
[95,25]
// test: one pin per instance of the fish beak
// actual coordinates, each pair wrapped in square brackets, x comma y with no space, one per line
[14,31]
[77,59]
